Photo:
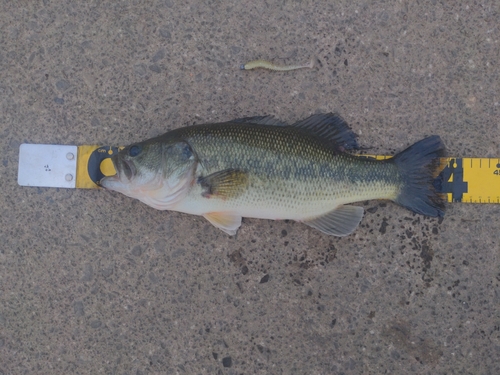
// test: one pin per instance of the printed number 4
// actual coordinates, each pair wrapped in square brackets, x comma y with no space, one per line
[497,171]
[457,187]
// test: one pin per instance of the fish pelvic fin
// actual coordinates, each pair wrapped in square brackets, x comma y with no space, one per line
[227,222]
[419,165]
[340,222]
[228,183]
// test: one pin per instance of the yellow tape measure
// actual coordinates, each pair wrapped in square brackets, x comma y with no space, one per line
[472,180]
[94,163]
[468,180]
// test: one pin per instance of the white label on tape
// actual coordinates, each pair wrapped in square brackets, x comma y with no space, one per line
[47,165]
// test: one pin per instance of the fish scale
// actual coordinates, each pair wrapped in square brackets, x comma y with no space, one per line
[294,165]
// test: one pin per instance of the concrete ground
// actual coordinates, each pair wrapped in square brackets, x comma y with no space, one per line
[92,282]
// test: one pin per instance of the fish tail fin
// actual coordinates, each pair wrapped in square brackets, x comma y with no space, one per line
[419,166]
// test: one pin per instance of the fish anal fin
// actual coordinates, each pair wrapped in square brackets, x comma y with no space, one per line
[340,222]
[228,183]
[227,222]
[332,127]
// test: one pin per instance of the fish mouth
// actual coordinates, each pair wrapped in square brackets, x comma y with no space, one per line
[125,172]
[123,167]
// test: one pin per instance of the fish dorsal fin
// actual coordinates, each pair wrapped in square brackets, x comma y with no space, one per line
[262,120]
[340,222]
[228,183]
[225,221]
[332,127]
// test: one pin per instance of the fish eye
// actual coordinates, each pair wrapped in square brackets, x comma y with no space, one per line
[186,152]
[134,150]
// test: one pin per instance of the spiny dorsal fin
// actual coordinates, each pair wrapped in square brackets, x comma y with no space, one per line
[340,222]
[332,127]
[228,183]
[261,120]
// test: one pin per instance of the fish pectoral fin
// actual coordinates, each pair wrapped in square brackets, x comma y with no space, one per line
[228,183]
[340,222]
[227,222]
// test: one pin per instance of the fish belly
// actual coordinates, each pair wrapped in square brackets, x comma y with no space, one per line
[287,200]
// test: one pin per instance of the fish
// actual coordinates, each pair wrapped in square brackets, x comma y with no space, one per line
[260,167]
[271,66]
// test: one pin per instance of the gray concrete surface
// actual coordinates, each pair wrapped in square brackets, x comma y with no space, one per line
[92,282]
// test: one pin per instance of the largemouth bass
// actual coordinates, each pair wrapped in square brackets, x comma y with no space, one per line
[259,167]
